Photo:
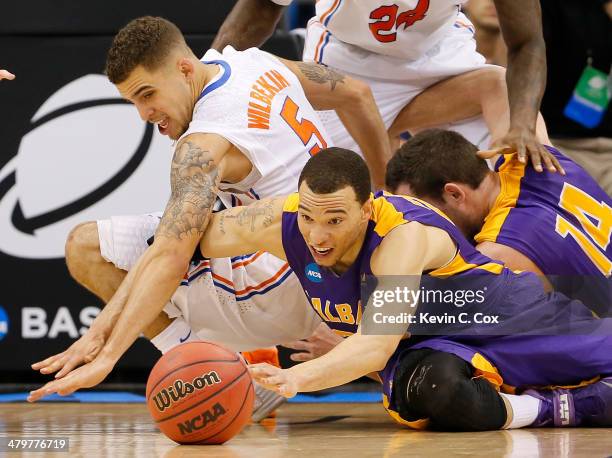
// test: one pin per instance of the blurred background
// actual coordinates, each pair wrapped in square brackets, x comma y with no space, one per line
[71,150]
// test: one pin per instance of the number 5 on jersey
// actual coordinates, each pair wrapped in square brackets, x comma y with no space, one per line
[304,129]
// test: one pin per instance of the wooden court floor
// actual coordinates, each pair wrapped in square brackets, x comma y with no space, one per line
[300,430]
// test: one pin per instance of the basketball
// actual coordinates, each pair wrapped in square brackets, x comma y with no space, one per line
[200,393]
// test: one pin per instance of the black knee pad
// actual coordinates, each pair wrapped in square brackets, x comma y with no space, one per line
[440,386]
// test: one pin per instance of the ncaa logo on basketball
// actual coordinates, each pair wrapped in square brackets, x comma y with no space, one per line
[313,273]
[86,155]
[202,420]
[4,323]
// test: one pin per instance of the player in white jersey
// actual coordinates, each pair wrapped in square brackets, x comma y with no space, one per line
[243,125]
[257,104]
[236,301]
[402,48]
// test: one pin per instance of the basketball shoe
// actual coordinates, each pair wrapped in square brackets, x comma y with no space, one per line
[590,405]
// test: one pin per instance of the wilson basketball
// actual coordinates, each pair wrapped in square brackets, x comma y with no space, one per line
[200,393]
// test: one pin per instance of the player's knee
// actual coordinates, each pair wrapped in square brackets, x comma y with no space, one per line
[443,389]
[82,248]
[435,383]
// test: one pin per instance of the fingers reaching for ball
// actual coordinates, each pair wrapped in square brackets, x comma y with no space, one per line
[275,379]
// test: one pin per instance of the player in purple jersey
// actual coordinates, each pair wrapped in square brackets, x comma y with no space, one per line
[336,236]
[334,233]
[552,224]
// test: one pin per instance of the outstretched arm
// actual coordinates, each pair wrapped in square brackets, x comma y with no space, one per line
[352,99]
[521,24]
[250,23]
[244,230]
[197,168]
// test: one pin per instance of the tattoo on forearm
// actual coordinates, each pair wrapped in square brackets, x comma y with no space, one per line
[320,74]
[221,223]
[253,214]
[194,182]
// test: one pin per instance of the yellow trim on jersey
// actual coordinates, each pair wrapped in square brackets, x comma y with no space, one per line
[583,383]
[291,203]
[421,203]
[510,174]
[509,389]
[416,424]
[487,370]
[459,265]
[386,216]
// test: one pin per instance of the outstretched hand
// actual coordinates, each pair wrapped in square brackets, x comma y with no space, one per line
[524,142]
[281,381]
[85,376]
[82,351]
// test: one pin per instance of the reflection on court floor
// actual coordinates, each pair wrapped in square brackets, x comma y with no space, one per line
[302,430]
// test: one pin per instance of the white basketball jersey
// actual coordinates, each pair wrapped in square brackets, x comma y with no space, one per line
[403,28]
[258,105]
[246,302]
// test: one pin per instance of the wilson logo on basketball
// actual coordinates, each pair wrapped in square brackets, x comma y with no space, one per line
[199,422]
[177,391]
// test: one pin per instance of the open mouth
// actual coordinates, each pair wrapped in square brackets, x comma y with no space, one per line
[162,125]
[320,252]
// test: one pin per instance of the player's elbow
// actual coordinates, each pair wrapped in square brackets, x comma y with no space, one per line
[529,43]
[175,259]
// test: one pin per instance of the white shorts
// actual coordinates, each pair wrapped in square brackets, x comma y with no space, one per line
[394,81]
[244,303]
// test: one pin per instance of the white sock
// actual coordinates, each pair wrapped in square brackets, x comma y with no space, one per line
[524,409]
[176,333]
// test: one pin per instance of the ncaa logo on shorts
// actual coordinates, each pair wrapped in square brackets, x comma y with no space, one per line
[4,323]
[313,273]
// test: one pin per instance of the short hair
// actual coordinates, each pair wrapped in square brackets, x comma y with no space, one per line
[145,41]
[433,158]
[332,169]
